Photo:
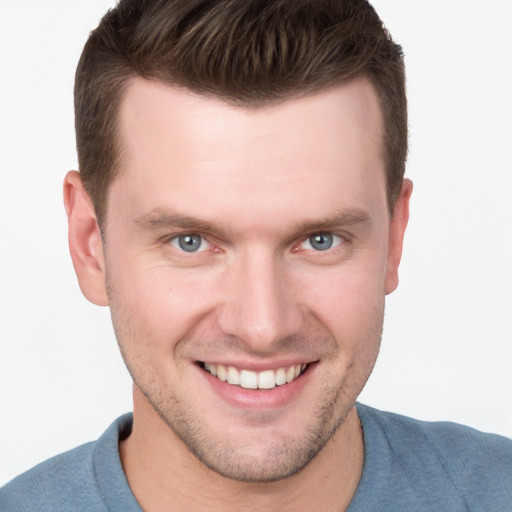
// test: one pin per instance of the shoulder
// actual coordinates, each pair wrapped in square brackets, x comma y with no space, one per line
[60,483]
[450,442]
[474,467]
[89,477]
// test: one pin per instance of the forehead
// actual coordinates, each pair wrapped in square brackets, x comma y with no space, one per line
[345,114]
[174,142]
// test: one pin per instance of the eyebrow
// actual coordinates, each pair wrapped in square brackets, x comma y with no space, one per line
[159,218]
[345,217]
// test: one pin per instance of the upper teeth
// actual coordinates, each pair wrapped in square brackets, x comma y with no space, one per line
[248,379]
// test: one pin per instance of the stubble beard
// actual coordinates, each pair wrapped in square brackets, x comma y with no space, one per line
[254,459]
[251,459]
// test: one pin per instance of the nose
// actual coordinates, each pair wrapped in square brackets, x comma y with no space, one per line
[260,307]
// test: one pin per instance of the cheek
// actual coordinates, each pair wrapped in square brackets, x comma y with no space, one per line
[158,303]
[350,305]
[347,296]
[356,317]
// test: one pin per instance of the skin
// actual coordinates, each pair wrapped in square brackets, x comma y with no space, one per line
[255,185]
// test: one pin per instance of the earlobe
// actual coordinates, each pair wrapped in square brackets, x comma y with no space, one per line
[397,228]
[85,242]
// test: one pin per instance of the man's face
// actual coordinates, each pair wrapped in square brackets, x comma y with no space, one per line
[250,244]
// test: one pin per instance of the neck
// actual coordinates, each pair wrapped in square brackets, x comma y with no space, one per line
[161,471]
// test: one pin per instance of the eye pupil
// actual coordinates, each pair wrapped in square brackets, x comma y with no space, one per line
[321,241]
[189,243]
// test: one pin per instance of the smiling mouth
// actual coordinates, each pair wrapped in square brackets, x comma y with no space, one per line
[247,379]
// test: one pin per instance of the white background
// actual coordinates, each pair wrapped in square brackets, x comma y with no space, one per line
[446,350]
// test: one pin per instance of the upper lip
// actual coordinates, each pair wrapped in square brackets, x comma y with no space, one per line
[259,366]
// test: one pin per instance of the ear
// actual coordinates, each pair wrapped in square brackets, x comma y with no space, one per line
[85,242]
[397,227]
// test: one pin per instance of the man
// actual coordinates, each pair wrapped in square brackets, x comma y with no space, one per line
[241,208]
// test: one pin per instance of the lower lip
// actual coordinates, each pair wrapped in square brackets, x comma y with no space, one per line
[259,399]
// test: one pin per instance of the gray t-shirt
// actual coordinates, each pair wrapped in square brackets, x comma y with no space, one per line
[409,465]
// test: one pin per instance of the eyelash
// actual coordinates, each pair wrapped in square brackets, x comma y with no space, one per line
[336,241]
[174,241]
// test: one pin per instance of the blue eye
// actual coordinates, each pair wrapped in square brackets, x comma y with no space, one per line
[322,241]
[190,243]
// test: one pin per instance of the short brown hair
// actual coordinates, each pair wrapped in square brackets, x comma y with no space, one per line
[247,52]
